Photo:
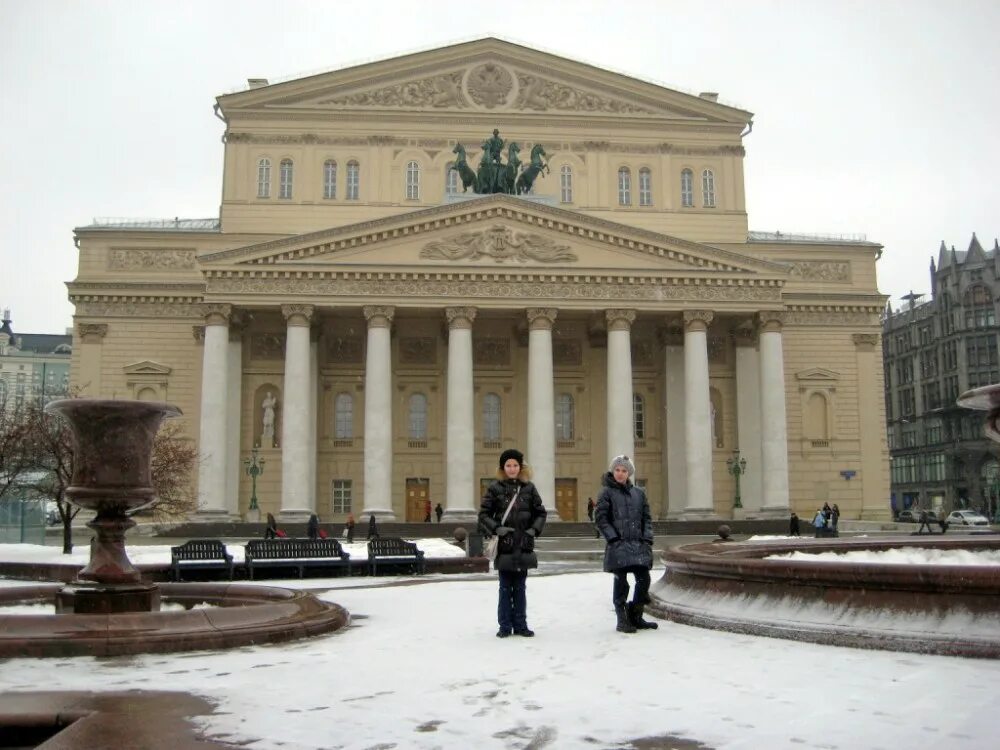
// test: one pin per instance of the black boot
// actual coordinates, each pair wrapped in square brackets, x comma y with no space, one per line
[635,617]
[624,626]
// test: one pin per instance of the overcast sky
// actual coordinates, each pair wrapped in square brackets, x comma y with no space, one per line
[870,118]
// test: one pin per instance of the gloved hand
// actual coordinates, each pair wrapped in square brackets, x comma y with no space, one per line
[531,532]
[503,530]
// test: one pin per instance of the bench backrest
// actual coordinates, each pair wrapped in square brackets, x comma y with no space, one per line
[200,549]
[391,547]
[287,549]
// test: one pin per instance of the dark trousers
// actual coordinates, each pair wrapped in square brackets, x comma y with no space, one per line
[619,594]
[927,525]
[512,608]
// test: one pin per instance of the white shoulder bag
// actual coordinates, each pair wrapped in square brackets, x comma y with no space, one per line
[493,543]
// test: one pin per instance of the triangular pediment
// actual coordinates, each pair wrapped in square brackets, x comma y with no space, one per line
[146,367]
[488,76]
[493,233]
[817,375]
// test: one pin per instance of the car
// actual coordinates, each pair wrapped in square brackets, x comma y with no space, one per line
[913,516]
[967,518]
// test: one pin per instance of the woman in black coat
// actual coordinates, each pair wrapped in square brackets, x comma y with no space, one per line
[624,520]
[516,548]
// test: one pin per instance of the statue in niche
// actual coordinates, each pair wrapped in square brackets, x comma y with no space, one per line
[267,407]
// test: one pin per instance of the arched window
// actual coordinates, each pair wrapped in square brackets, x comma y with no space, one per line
[645,187]
[343,417]
[564,417]
[816,425]
[687,188]
[638,417]
[491,417]
[450,179]
[624,187]
[412,181]
[147,394]
[708,188]
[264,178]
[330,179]
[418,417]
[566,184]
[979,311]
[285,179]
[353,180]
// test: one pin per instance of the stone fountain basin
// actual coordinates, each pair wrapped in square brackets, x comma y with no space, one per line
[240,615]
[926,608]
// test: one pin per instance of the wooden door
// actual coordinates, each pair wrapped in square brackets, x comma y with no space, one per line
[566,499]
[418,492]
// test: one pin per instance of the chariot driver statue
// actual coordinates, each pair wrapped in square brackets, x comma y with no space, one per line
[495,146]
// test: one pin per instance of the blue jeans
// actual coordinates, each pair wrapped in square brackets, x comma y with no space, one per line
[512,609]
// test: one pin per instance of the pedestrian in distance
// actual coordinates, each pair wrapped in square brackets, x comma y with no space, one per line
[427,511]
[438,511]
[271,530]
[793,525]
[312,528]
[835,520]
[372,527]
[513,511]
[623,519]
[819,523]
[924,521]
[590,509]
[349,526]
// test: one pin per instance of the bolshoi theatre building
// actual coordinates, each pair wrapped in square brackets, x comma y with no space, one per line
[423,261]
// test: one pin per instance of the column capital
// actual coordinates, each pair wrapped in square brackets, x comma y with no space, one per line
[697,320]
[541,318]
[92,333]
[217,313]
[771,321]
[298,315]
[379,316]
[865,342]
[619,320]
[460,317]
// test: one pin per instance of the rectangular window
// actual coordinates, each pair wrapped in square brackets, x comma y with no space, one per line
[645,187]
[285,179]
[353,181]
[566,185]
[341,499]
[687,188]
[708,188]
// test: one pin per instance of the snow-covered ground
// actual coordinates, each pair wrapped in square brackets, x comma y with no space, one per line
[900,556]
[420,667]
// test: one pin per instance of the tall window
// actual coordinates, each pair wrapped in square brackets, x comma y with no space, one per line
[264,178]
[979,311]
[412,181]
[341,496]
[450,179]
[708,189]
[566,184]
[491,417]
[329,179]
[624,187]
[564,417]
[418,417]
[645,187]
[687,188]
[343,417]
[285,179]
[638,417]
[353,180]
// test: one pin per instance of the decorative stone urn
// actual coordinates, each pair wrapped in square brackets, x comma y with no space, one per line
[985,399]
[112,454]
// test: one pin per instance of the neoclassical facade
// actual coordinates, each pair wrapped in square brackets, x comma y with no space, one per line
[377,336]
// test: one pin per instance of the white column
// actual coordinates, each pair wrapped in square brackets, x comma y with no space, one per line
[298,420]
[322,503]
[461,475]
[541,453]
[213,438]
[621,433]
[674,448]
[378,416]
[748,420]
[774,424]
[234,391]
[699,502]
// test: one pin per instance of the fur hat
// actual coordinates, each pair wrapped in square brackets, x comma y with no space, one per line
[624,461]
[509,454]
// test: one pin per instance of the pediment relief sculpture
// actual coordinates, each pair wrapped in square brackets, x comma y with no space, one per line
[436,91]
[535,92]
[499,243]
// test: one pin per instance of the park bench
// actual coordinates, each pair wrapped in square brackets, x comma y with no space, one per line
[295,553]
[393,551]
[200,554]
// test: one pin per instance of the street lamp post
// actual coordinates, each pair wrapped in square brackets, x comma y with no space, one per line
[737,466]
[254,468]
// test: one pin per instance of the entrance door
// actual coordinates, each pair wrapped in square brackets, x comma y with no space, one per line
[418,492]
[566,499]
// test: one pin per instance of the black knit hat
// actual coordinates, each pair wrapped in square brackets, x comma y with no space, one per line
[509,454]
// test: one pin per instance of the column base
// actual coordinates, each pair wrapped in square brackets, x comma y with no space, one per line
[215,516]
[699,514]
[295,515]
[773,512]
[459,515]
[380,515]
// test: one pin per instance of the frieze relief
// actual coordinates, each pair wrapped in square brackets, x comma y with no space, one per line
[491,351]
[567,352]
[825,318]
[379,288]
[489,85]
[164,259]
[643,353]
[342,350]
[267,346]
[499,243]
[139,310]
[820,270]
[417,351]
[436,91]
[535,92]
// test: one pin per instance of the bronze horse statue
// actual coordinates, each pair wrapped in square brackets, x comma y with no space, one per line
[508,173]
[464,170]
[531,172]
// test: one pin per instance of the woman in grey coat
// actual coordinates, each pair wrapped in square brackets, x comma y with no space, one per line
[624,520]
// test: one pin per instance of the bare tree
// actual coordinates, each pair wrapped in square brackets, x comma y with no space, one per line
[15,457]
